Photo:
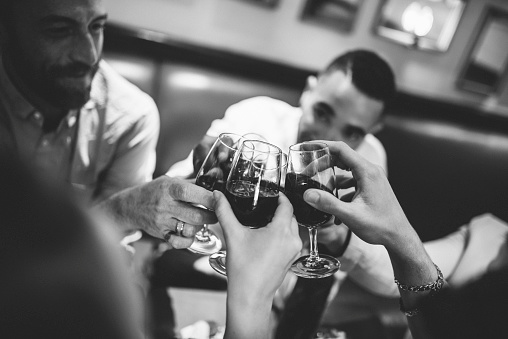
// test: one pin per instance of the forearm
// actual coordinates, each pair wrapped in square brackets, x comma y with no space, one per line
[412,266]
[248,314]
[119,208]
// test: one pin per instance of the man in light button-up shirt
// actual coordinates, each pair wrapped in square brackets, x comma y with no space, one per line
[69,116]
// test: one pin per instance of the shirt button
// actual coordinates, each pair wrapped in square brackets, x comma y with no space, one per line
[45,143]
[68,140]
[37,116]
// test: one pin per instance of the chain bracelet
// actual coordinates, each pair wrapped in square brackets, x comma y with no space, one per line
[433,286]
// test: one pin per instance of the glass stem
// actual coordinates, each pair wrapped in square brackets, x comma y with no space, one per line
[314,255]
[204,231]
[203,234]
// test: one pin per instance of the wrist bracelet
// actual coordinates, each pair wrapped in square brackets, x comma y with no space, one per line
[433,286]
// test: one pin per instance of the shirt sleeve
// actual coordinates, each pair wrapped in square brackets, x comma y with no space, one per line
[373,150]
[231,122]
[370,267]
[135,156]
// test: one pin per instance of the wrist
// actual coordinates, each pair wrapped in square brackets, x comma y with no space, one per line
[403,241]
[247,292]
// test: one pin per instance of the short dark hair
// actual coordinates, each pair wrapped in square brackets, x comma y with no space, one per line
[371,74]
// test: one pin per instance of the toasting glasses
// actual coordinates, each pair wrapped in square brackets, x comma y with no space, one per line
[252,188]
[212,175]
[309,166]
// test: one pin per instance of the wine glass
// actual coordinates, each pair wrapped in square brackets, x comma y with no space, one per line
[212,175]
[309,166]
[252,188]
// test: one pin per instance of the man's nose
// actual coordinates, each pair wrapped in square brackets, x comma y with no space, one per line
[85,49]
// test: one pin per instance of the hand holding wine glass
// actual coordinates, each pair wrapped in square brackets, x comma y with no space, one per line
[212,175]
[252,188]
[258,261]
[309,166]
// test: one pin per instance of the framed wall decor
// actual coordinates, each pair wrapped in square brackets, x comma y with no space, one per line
[486,66]
[265,3]
[337,14]
[421,24]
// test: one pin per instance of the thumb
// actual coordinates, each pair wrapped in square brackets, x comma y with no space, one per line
[327,202]
[223,210]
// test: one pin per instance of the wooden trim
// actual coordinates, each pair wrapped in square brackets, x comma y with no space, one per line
[161,46]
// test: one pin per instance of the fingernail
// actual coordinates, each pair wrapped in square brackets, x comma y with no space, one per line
[311,196]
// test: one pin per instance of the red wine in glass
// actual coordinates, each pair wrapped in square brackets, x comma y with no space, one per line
[306,215]
[309,166]
[252,188]
[253,207]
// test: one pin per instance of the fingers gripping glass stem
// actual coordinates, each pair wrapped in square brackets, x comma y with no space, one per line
[212,176]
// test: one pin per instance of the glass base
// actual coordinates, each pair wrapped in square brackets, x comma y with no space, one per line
[218,262]
[323,267]
[205,245]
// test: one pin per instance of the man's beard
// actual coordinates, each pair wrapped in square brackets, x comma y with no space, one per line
[58,85]
[59,92]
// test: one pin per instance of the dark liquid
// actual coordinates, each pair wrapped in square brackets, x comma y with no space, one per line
[306,215]
[241,196]
[210,183]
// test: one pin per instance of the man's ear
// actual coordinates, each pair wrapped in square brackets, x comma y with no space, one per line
[311,82]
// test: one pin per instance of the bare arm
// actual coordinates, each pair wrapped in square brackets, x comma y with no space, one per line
[258,260]
[375,216]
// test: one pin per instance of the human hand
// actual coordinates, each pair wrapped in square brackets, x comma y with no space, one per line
[374,214]
[157,207]
[258,259]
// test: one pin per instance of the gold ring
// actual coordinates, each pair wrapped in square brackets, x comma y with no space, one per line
[179,228]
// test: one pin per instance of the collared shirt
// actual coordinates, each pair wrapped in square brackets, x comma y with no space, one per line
[104,147]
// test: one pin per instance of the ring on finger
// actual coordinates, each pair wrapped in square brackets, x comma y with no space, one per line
[179,228]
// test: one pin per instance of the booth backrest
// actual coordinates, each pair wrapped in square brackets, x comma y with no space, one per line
[447,163]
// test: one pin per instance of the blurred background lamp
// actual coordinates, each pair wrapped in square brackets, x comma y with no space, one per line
[417,19]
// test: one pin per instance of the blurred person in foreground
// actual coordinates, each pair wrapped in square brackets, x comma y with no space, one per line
[66,113]
[434,310]
[68,277]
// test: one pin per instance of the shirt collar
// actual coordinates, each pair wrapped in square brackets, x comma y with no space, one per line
[14,100]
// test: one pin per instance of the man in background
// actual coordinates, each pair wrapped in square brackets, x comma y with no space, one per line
[345,101]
